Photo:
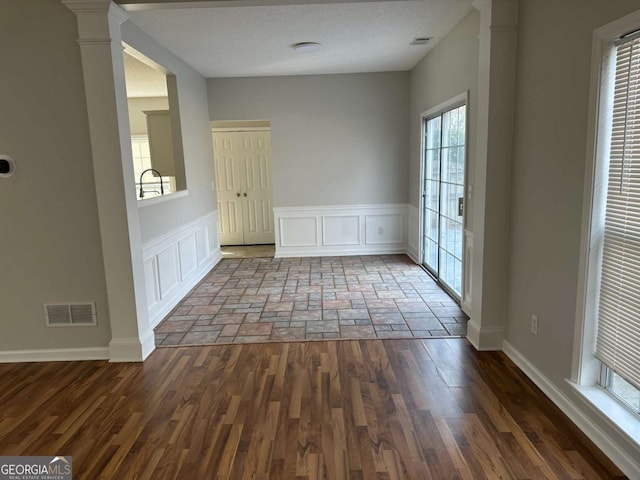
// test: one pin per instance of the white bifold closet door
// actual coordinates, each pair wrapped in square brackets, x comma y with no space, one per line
[243,185]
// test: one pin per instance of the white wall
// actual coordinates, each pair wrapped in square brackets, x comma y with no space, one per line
[159,219]
[450,69]
[179,235]
[336,139]
[549,157]
[50,247]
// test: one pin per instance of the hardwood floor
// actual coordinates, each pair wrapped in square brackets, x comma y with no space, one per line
[374,409]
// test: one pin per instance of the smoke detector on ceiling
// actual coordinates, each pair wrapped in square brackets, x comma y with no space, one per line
[306,47]
[421,40]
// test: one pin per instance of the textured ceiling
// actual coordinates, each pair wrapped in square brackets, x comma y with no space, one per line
[361,36]
[143,80]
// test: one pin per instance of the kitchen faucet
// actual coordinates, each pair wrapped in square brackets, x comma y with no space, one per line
[150,170]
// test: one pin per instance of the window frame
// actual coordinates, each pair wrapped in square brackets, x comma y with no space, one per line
[606,382]
[135,139]
[586,368]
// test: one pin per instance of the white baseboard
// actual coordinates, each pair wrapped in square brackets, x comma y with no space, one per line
[341,230]
[599,437]
[125,350]
[413,255]
[485,339]
[337,252]
[175,262]
[55,355]
[148,345]
[132,349]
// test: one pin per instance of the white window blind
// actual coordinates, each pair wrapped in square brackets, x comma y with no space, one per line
[618,339]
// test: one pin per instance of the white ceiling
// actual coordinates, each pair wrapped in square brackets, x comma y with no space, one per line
[143,80]
[255,40]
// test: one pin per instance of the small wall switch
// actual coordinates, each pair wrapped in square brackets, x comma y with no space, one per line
[534,324]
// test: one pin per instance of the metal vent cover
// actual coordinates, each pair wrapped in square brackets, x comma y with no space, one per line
[70,314]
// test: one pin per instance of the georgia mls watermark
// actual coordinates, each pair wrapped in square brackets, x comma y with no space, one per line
[36,468]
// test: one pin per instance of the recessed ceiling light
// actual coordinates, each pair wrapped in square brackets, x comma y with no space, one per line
[420,40]
[306,47]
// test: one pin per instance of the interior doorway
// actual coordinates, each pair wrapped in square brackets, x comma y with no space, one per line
[444,168]
[242,156]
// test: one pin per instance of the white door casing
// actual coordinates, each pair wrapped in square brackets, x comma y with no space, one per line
[243,173]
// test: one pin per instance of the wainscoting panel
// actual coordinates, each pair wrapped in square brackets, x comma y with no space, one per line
[175,262]
[467,287]
[212,239]
[188,255]
[151,281]
[168,269]
[384,229]
[413,233]
[202,245]
[298,231]
[340,230]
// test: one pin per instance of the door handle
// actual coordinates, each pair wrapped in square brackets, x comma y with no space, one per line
[460,206]
[245,194]
[238,194]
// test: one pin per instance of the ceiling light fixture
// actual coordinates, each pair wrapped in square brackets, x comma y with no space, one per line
[306,47]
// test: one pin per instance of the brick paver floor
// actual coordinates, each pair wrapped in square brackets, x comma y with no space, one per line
[284,299]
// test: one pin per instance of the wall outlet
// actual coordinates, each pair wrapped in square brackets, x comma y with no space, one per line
[380,231]
[534,324]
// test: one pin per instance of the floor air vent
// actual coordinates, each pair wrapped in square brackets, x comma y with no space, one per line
[66,315]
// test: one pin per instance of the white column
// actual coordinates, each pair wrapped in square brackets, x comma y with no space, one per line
[494,124]
[103,66]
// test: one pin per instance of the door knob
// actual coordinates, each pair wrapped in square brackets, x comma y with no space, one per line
[238,194]
[245,194]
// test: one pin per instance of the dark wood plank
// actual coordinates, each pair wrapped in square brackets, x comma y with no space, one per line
[369,409]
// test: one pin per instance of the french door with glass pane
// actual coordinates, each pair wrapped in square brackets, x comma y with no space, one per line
[444,173]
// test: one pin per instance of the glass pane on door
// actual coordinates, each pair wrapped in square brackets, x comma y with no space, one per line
[432,193]
[444,173]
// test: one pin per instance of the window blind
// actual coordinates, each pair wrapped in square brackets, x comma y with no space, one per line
[618,339]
